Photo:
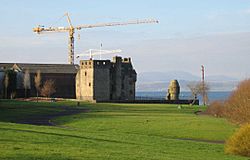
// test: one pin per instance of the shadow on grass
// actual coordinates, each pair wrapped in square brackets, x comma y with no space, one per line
[35,113]
[25,156]
[66,135]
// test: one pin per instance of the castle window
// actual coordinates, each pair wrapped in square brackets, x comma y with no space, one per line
[97,63]
[89,84]
[86,63]
[85,73]
[89,63]
[82,63]
[103,63]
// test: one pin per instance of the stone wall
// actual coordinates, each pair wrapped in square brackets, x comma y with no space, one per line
[93,80]
[116,74]
[178,102]
[102,80]
[128,80]
[85,81]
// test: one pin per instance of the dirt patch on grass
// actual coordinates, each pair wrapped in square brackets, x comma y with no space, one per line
[200,113]
[39,99]
[202,140]
[47,119]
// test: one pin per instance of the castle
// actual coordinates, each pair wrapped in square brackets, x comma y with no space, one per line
[92,80]
[104,80]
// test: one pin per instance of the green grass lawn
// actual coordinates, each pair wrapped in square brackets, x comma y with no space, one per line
[112,131]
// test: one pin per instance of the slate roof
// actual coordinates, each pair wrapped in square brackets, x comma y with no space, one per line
[44,68]
[6,66]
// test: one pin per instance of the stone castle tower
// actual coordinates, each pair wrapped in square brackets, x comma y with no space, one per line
[105,80]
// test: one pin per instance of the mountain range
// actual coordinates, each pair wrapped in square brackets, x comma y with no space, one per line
[159,81]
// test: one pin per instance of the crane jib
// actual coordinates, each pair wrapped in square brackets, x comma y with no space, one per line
[71,28]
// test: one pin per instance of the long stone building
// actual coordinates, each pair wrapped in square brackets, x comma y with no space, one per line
[62,74]
[93,80]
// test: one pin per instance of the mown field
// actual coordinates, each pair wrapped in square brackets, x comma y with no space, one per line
[111,131]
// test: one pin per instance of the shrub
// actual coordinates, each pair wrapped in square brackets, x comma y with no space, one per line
[237,107]
[48,88]
[216,108]
[239,143]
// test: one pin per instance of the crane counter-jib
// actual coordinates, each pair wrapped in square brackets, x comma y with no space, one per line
[51,29]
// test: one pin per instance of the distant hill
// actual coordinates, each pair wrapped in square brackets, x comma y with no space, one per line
[165,76]
[159,81]
[220,78]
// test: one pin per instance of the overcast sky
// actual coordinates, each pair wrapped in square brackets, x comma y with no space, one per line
[215,33]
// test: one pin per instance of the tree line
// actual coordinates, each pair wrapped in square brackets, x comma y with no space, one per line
[9,83]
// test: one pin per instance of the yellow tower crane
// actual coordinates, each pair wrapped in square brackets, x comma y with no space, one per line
[71,29]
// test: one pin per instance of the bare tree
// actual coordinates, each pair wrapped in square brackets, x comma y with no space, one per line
[48,88]
[6,84]
[197,88]
[37,80]
[194,88]
[26,81]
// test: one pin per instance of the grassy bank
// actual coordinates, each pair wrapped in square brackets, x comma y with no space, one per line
[112,131]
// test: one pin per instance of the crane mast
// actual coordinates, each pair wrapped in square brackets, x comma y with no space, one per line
[71,46]
[71,29]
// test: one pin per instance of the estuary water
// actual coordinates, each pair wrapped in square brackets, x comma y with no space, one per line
[212,96]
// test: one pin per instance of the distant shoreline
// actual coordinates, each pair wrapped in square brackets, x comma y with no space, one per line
[212,95]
